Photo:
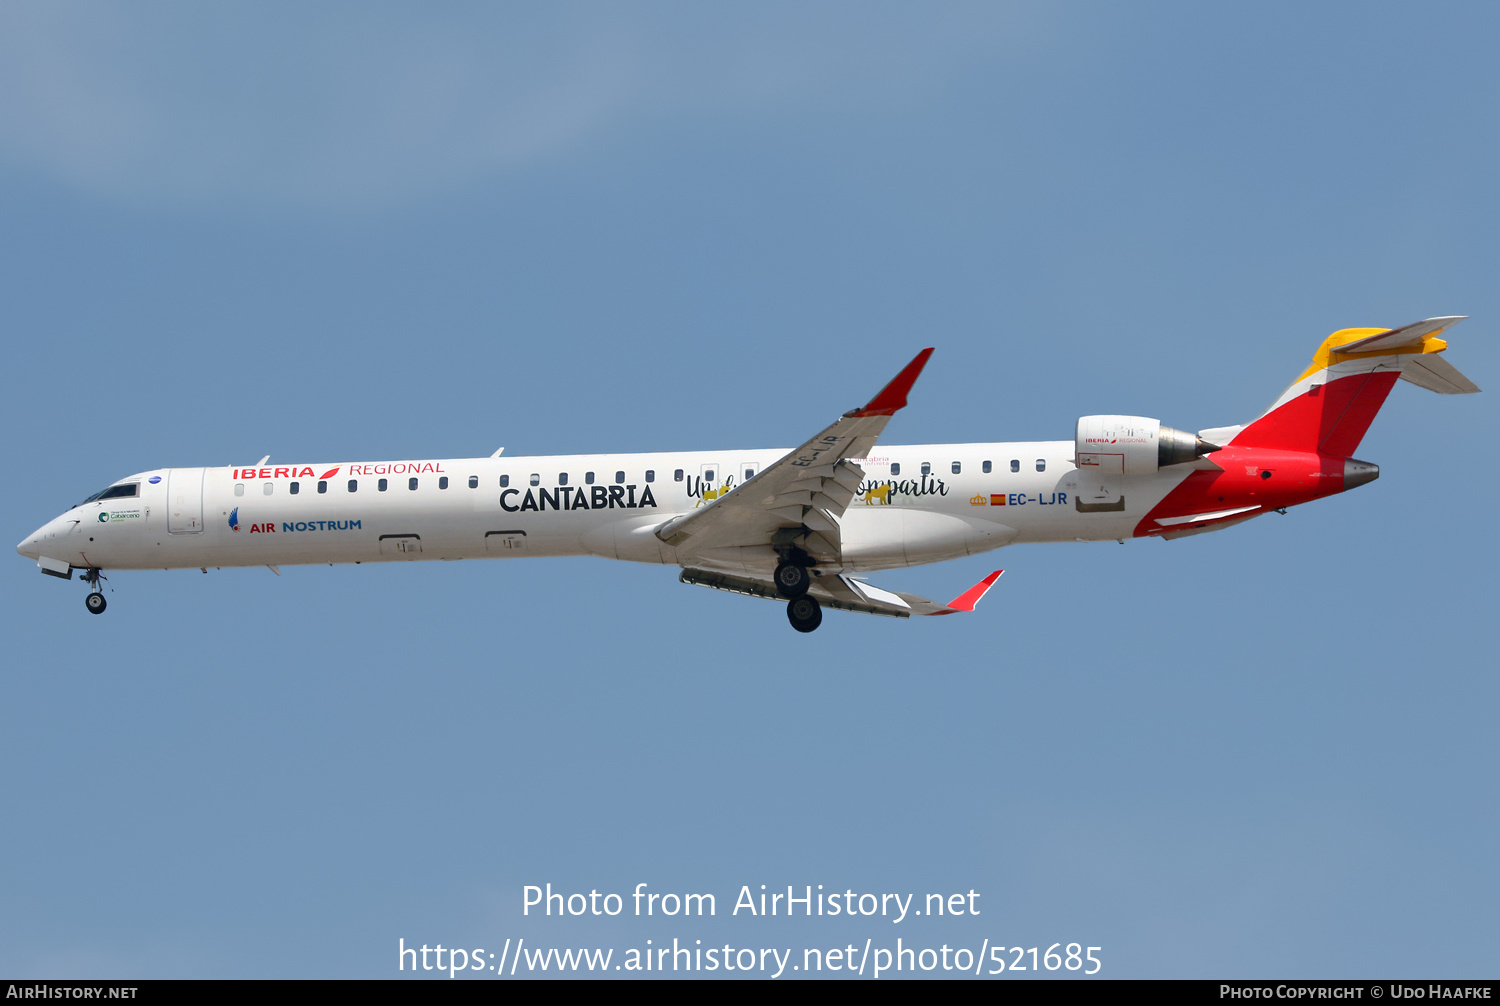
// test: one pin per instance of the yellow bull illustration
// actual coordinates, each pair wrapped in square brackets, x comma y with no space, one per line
[882,494]
[709,495]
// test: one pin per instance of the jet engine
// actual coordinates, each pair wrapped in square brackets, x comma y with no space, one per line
[1133,445]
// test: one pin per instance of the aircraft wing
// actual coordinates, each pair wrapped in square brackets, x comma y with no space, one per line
[796,502]
[848,594]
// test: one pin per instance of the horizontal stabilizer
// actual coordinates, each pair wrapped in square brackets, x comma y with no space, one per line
[1407,335]
[1436,374]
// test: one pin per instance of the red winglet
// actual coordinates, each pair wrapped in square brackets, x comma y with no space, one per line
[970,597]
[893,396]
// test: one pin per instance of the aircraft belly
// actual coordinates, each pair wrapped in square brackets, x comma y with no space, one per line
[632,539]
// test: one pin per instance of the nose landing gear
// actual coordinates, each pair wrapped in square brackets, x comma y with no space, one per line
[95,601]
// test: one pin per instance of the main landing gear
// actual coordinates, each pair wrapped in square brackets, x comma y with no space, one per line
[792,579]
[94,602]
[805,613]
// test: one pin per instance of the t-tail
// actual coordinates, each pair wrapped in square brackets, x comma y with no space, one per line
[1302,448]
[1328,409]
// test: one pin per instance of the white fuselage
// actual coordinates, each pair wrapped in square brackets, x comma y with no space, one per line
[917,504]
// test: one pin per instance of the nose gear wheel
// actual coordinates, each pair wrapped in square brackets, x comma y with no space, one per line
[95,602]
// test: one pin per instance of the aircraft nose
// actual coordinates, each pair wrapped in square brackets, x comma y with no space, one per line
[30,546]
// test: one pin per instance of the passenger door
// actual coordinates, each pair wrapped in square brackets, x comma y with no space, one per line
[185,501]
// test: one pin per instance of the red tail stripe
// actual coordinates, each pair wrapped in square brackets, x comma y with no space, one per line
[1331,419]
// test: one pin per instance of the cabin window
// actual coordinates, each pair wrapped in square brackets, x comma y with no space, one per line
[619,477]
[562,478]
[1015,464]
[650,475]
[354,485]
[504,481]
[708,476]
[926,468]
[536,479]
[411,484]
[957,467]
[895,468]
[239,488]
[265,487]
[677,475]
[443,482]
[1041,464]
[749,474]
[986,467]
[473,481]
[322,487]
[295,489]
[383,485]
[588,478]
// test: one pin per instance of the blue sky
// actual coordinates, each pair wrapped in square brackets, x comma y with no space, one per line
[373,232]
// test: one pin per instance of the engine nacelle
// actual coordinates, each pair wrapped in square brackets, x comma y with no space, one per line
[1133,445]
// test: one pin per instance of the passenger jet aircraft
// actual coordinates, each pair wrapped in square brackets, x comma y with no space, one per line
[801,525]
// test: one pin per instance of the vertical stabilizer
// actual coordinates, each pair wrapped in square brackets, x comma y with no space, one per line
[1328,409]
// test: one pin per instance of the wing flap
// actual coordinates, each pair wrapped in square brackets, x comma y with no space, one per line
[819,521]
[845,593]
[831,592]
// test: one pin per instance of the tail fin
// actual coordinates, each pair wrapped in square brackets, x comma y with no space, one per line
[1328,409]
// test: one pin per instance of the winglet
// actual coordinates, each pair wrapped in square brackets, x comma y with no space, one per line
[971,597]
[893,396]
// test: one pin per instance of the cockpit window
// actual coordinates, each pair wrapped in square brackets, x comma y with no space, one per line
[129,489]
